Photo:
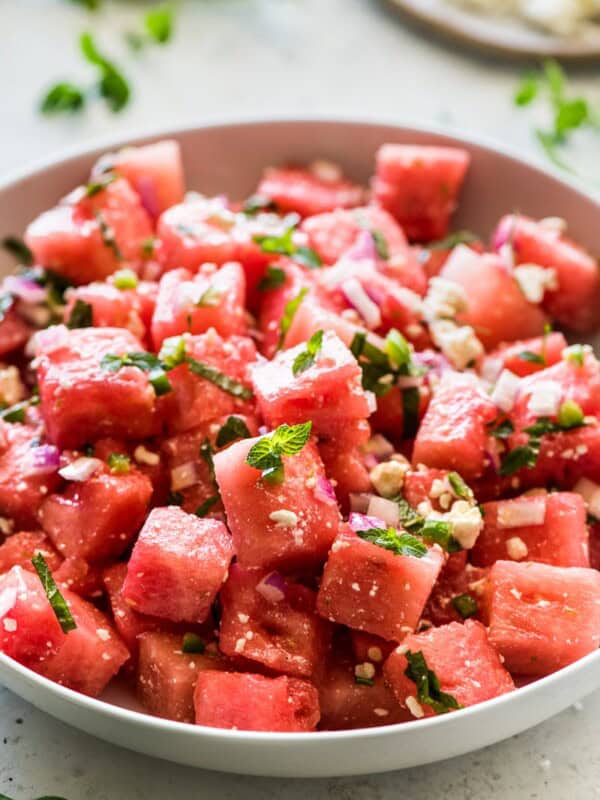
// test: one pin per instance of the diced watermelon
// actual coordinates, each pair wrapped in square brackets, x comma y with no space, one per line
[80,577]
[524,357]
[542,617]
[497,308]
[561,538]
[575,302]
[166,677]
[563,459]
[90,655]
[312,316]
[14,332]
[255,703]
[21,491]
[88,238]
[193,304]
[329,392]
[419,186]
[98,518]
[452,584]
[81,401]
[194,400]
[307,191]
[435,256]
[272,621]
[111,307]
[461,656]
[29,630]
[346,469]
[453,432]
[370,588]
[19,548]
[302,539]
[389,416]
[178,565]
[154,170]
[273,302]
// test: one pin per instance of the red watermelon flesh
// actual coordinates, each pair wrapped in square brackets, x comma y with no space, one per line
[516,357]
[308,192]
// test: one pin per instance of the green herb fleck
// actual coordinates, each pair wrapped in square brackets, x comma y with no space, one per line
[306,358]
[428,685]
[267,453]
[527,90]
[108,235]
[218,378]
[206,506]
[273,278]
[15,413]
[284,245]
[289,312]
[258,203]
[125,279]
[459,487]
[119,463]
[192,643]
[400,544]
[453,240]
[95,187]
[17,248]
[361,681]
[159,23]
[63,98]
[465,605]
[81,316]
[234,428]
[381,245]
[55,598]
[532,358]
[575,354]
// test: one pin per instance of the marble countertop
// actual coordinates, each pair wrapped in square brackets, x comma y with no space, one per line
[253,57]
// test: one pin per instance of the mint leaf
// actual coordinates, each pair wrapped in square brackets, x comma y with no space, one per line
[206,506]
[400,544]
[305,359]
[532,358]
[62,98]
[108,235]
[18,249]
[289,312]
[192,643]
[159,23]
[284,245]
[381,245]
[273,278]
[55,598]
[465,605]
[266,454]
[81,316]
[218,378]
[428,685]
[234,428]
[527,90]
[112,85]
[459,487]
[438,531]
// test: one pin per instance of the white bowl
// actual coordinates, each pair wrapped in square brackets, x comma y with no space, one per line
[229,158]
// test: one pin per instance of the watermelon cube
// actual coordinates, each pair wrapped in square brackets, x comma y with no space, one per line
[273,301]
[542,617]
[166,677]
[346,470]
[18,549]
[329,392]
[270,620]
[461,656]
[367,587]
[14,332]
[285,526]
[90,655]
[194,400]
[242,701]
[21,491]
[550,529]
[111,307]
[178,565]
[575,300]
[29,630]
[87,238]
[81,401]
[453,433]
[309,191]
[97,518]
[313,315]
[497,308]
[193,304]
[517,356]
[419,186]
[154,170]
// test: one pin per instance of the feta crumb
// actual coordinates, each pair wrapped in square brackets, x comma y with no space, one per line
[326,171]
[243,618]
[239,645]
[505,391]
[9,624]
[534,280]
[355,587]
[388,478]
[103,634]
[11,387]
[444,300]
[381,712]
[284,518]
[590,491]
[414,707]
[144,456]
[545,398]
[366,671]
[7,526]
[458,343]
[467,523]
[516,548]
[375,654]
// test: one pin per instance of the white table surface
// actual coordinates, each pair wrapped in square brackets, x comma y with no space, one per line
[270,57]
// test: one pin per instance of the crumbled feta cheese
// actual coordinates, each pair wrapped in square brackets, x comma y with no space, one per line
[545,398]
[103,634]
[458,343]
[388,478]
[144,456]
[326,171]
[11,387]
[243,618]
[555,224]
[534,280]
[284,518]
[7,526]
[414,707]
[239,645]
[516,548]
[366,671]
[467,523]
[444,300]
[590,492]
[381,712]
[9,624]
[505,391]
[375,654]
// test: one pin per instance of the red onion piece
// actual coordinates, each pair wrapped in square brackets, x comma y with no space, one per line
[324,490]
[433,361]
[272,587]
[148,196]
[359,502]
[380,447]
[25,289]
[81,469]
[184,476]
[363,248]
[362,522]
[360,301]
[387,510]
[43,460]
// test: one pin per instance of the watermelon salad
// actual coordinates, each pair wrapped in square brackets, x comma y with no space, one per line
[308,460]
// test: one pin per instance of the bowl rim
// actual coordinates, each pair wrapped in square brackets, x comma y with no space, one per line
[35,170]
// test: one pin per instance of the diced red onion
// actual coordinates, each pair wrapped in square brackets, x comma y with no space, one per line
[387,510]
[148,196]
[272,587]
[184,476]
[25,289]
[81,469]
[324,490]
[362,522]
[359,501]
[435,363]
[380,447]
[590,491]
[522,511]
[51,338]
[492,455]
[360,301]
[370,461]
[43,460]
[363,248]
